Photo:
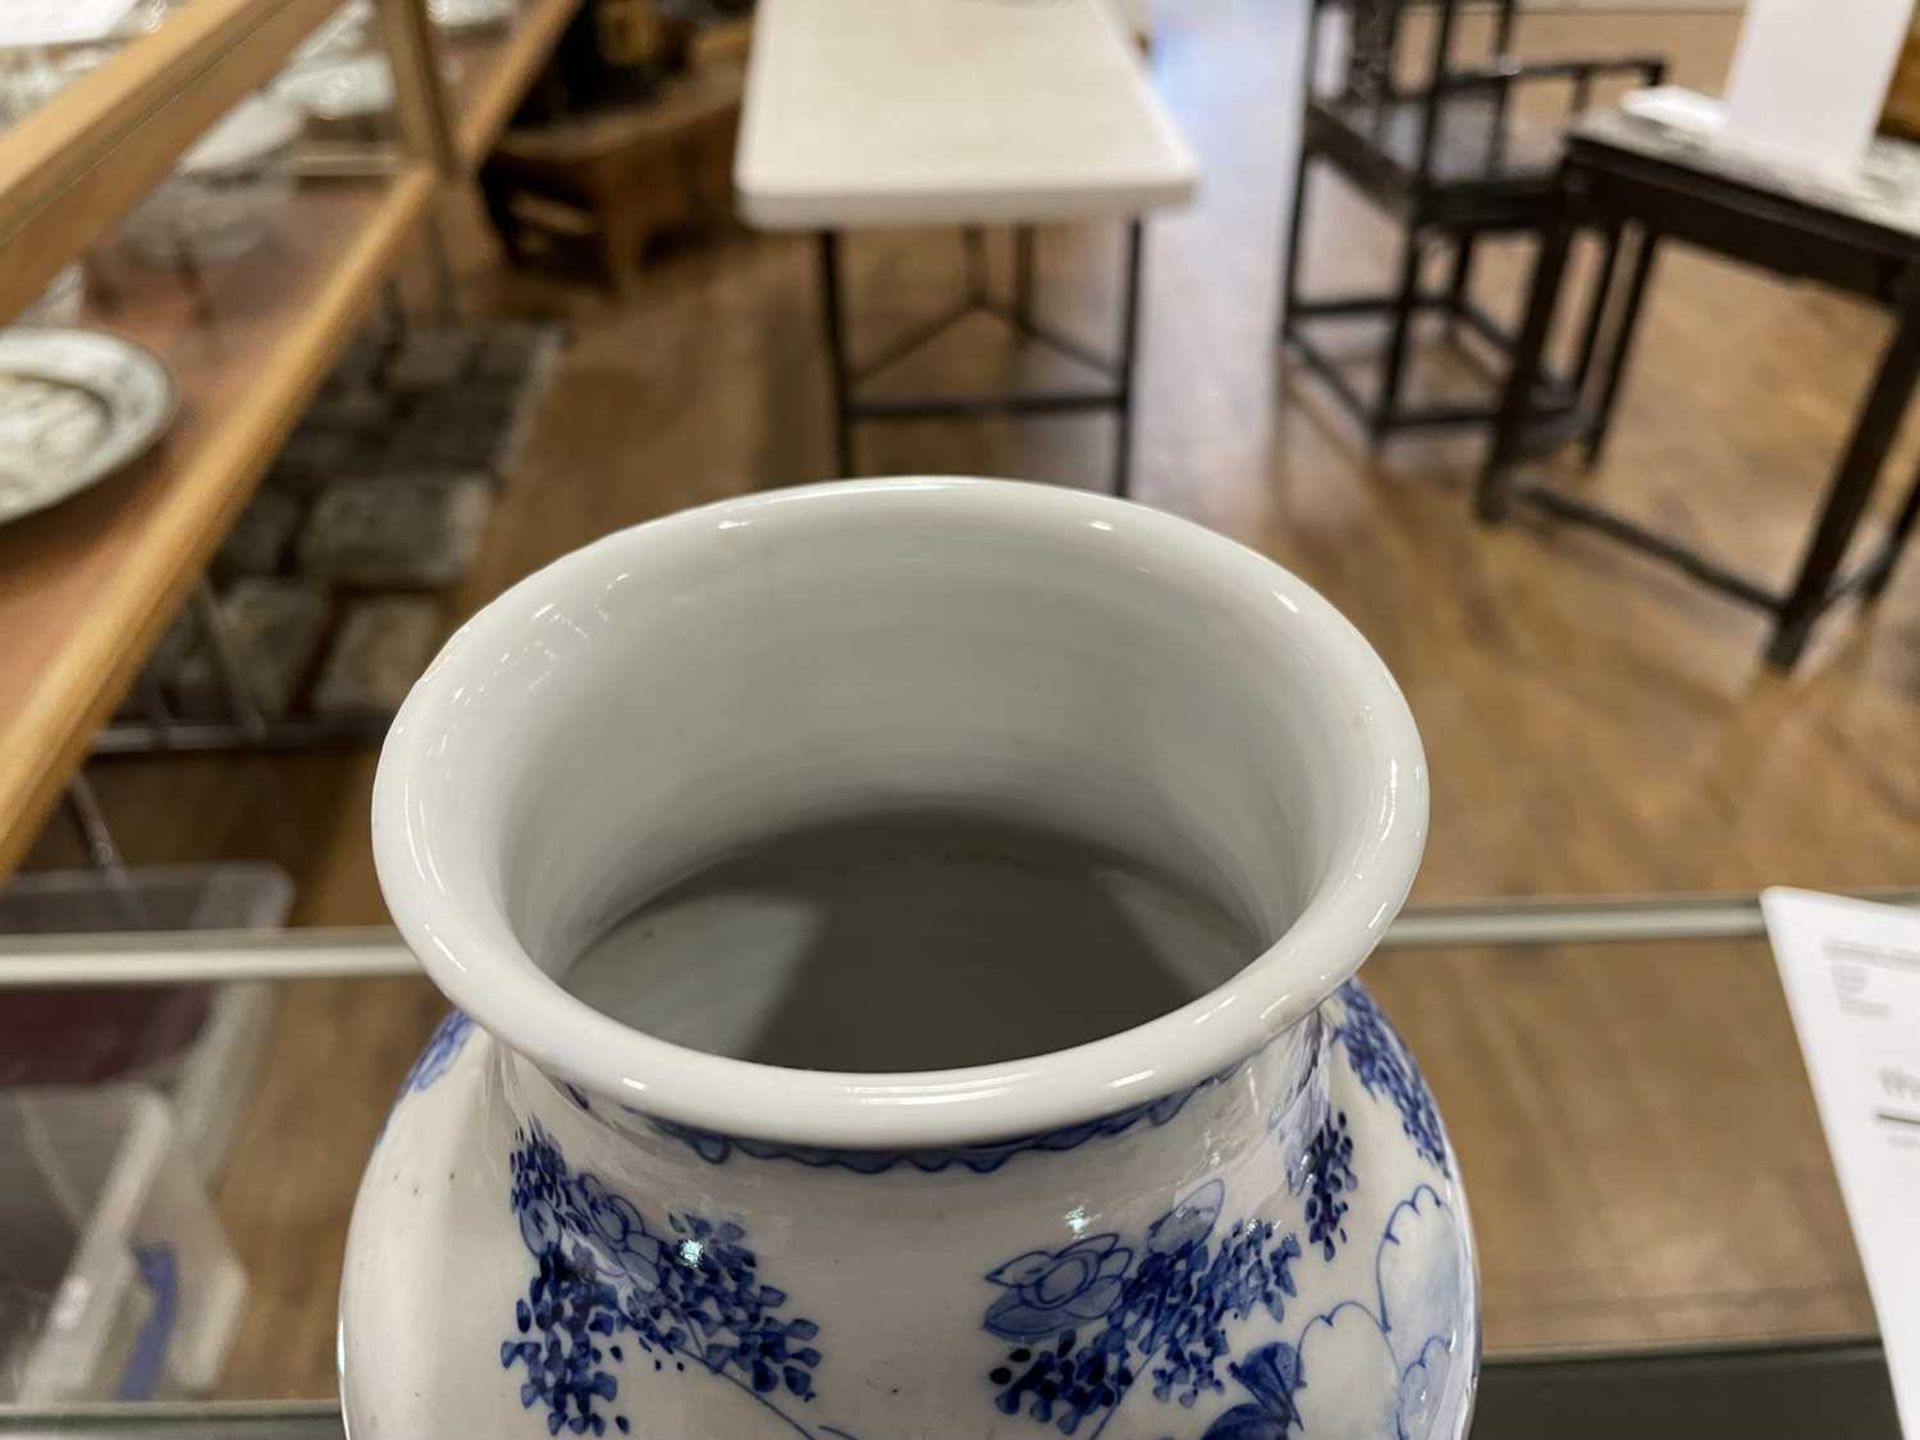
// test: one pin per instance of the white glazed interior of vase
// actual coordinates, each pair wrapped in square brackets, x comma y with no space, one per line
[913,941]
[1143,775]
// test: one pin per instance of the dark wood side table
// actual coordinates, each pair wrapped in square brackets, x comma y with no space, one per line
[1860,234]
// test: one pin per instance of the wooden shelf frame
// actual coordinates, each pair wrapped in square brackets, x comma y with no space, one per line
[87,587]
[87,157]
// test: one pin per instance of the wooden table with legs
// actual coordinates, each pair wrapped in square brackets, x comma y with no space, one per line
[868,113]
[1859,233]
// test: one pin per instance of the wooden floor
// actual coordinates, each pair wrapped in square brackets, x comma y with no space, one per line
[1633,1122]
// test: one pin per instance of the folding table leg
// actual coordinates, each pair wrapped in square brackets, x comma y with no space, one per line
[975,240]
[1129,346]
[1023,278]
[1290,263]
[1873,433]
[836,352]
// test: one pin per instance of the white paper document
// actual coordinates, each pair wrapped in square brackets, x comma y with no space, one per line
[59,22]
[1851,971]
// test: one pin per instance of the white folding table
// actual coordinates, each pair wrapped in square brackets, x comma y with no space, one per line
[867,113]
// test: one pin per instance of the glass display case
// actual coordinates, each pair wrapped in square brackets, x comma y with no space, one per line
[1667,1255]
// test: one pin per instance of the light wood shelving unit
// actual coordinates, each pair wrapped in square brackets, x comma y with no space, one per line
[87,587]
[79,164]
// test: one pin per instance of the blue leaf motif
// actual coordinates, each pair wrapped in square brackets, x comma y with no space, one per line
[1188,1222]
[443,1047]
[1272,1374]
[1247,1422]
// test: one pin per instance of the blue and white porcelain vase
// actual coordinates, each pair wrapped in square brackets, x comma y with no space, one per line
[1234,1218]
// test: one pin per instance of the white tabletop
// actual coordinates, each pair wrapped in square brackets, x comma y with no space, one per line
[929,112]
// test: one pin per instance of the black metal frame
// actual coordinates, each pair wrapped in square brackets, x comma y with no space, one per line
[158,731]
[850,406]
[1433,209]
[1603,185]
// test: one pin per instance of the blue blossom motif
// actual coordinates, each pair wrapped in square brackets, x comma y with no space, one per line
[1048,1293]
[1382,1065]
[1098,1315]
[1329,1179]
[443,1048]
[1273,1377]
[607,1276]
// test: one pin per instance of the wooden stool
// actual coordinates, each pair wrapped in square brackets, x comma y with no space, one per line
[620,176]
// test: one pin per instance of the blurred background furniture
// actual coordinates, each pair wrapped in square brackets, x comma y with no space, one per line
[1072,132]
[93,583]
[1450,158]
[1859,233]
[612,179]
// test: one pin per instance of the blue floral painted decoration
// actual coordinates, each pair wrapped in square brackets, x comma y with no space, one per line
[687,1292]
[442,1049]
[1393,1352]
[1094,1317]
[1383,1065]
[1329,1180]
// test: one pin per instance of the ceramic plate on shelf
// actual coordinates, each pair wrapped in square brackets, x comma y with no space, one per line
[75,406]
[341,34]
[340,89]
[255,130]
[471,14]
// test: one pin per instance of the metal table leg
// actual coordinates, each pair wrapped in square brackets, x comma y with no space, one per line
[103,852]
[1296,225]
[974,240]
[1023,279]
[836,352]
[1873,432]
[850,405]
[1129,347]
[232,674]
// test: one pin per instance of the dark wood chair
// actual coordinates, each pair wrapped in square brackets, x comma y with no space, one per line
[1448,159]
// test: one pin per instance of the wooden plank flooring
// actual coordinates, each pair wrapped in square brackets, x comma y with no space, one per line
[1633,1122]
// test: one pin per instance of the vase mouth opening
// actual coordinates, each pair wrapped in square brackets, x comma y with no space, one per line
[817,656]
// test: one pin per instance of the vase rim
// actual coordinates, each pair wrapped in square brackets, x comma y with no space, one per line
[472,953]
